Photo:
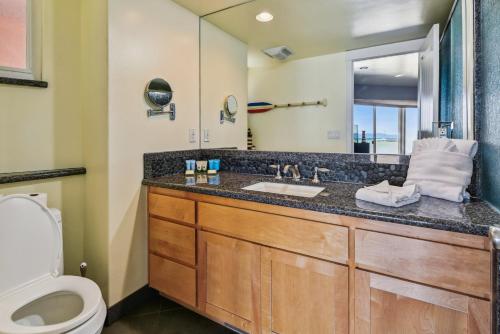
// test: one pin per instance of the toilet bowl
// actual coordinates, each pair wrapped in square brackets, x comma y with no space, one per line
[35,298]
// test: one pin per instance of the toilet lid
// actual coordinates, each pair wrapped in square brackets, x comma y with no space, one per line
[30,242]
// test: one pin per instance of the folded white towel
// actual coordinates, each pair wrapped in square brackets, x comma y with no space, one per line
[385,194]
[433,144]
[468,147]
[442,168]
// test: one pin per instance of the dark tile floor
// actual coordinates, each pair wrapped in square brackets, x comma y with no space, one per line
[162,316]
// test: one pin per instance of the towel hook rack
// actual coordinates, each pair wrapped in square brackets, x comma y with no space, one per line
[323,103]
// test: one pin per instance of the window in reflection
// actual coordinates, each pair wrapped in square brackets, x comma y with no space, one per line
[384,129]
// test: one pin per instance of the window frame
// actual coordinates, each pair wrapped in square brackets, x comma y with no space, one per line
[401,125]
[25,73]
[353,56]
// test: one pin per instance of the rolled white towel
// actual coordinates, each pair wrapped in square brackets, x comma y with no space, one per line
[385,194]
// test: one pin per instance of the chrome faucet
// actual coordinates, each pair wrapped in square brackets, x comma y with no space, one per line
[316,170]
[278,173]
[295,171]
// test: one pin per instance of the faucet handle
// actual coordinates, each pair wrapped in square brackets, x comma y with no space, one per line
[316,170]
[278,173]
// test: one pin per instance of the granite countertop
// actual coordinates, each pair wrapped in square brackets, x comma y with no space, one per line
[474,217]
[6,178]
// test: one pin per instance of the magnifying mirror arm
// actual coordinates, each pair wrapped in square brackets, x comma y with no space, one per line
[224,116]
[162,111]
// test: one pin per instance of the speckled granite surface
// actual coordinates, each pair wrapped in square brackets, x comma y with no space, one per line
[358,168]
[338,198]
[166,163]
[40,175]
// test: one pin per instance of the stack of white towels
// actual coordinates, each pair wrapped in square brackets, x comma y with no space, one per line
[439,167]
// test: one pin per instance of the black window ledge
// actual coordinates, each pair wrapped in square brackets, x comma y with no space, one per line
[6,178]
[23,82]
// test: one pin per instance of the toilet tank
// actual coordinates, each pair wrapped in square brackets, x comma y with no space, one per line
[57,214]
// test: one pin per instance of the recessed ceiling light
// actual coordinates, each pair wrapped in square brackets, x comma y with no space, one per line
[363,68]
[264,17]
[399,75]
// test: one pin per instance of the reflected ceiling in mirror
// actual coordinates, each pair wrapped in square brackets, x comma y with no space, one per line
[206,7]
[318,27]
[284,57]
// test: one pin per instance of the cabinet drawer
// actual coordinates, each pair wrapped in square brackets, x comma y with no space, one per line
[450,267]
[174,280]
[177,209]
[319,240]
[172,240]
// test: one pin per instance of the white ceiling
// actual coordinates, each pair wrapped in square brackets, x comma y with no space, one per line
[204,7]
[383,71]
[317,27]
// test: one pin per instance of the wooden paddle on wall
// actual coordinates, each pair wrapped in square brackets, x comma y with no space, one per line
[261,107]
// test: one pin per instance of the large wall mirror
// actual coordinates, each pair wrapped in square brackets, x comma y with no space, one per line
[335,76]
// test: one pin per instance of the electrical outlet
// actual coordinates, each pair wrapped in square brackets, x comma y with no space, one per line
[192,135]
[334,134]
[206,136]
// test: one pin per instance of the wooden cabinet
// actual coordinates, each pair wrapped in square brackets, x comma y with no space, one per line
[172,247]
[172,208]
[266,269]
[303,295]
[449,267]
[172,241]
[385,305]
[325,241]
[229,281]
[173,279]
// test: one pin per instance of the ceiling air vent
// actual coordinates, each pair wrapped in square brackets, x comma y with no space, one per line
[279,52]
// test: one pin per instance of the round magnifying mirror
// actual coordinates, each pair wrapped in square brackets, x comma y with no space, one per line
[158,93]
[231,105]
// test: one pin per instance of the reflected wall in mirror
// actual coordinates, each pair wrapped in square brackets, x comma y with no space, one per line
[385,109]
[310,51]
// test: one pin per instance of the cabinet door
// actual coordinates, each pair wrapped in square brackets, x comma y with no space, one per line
[303,295]
[385,305]
[229,284]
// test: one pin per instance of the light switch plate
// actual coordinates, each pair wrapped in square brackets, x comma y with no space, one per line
[334,134]
[206,136]
[192,135]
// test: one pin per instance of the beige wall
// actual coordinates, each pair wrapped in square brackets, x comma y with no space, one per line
[147,39]
[94,73]
[223,72]
[94,115]
[300,129]
[41,128]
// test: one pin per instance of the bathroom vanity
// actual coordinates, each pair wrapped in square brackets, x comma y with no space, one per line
[269,263]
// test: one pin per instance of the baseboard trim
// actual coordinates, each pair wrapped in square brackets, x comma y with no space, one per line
[117,311]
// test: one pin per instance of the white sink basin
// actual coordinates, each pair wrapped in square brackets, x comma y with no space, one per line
[286,189]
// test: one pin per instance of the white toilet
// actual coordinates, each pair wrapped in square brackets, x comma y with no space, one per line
[35,298]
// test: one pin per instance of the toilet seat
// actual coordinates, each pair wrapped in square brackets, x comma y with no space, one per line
[87,290]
